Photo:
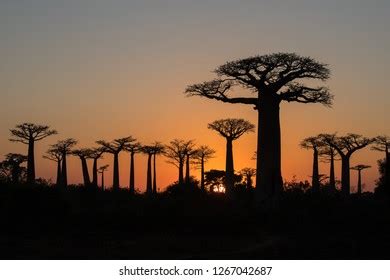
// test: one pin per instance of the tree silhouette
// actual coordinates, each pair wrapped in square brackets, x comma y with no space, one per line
[29,133]
[65,148]
[101,170]
[248,173]
[382,144]
[96,154]
[329,154]
[231,129]
[11,168]
[55,155]
[346,146]
[176,152]
[359,169]
[158,149]
[149,150]
[313,143]
[190,151]
[271,79]
[214,178]
[202,155]
[132,148]
[115,147]
[84,154]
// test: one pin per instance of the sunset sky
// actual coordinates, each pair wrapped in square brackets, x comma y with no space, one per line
[95,69]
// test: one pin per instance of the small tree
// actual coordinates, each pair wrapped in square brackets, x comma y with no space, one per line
[158,149]
[96,154]
[29,133]
[101,170]
[65,148]
[329,154]
[84,154]
[133,148]
[359,169]
[12,169]
[115,147]
[202,155]
[382,144]
[248,173]
[313,143]
[56,156]
[231,129]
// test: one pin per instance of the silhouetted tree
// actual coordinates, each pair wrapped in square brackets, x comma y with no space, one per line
[158,149]
[214,178]
[65,148]
[359,169]
[132,148]
[313,143]
[84,154]
[190,151]
[149,150]
[202,155]
[29,133]
[11,169]
[329,154]
[115,147]
[382,144]
[96,154]
[346,146]
[101,170]
[231,129]
[248,173]
[272,79]
[55,155]
[176,152]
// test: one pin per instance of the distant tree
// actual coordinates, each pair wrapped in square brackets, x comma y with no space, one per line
[56,156]
[176,152]
[133,148]
[329,154]
[313,143]
[29,133]
[359,169]
[101,170]
[115,147]
[271,79]
[11,169]
[96,154]
[346,146]
[231,129]
[190,152]
[84,154]
[65,148]
[148,150]
[214,178]
[158,149]
[202,155]
[248,173]
[382,144]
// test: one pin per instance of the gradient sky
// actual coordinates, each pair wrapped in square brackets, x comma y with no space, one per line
[95,69]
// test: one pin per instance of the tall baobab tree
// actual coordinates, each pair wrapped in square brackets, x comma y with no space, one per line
[271,79]
[13,162]
[346,146]
[56,156]
[248,173]
[359,169]
[382,144]
[231,129]
[65,148]
[158,149]
[84,154]
[176,152]
[149,150]
[101,170]
[115,147]
[329,154]
[132,148]
[28,134]
[313,143]
[96,154]
[202,155]
[190,151]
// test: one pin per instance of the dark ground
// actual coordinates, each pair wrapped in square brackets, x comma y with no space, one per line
[42,223]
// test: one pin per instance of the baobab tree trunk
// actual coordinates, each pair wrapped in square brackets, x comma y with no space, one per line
[248,182]
[229,166]
[359,184]
[58,181]
[345,176]
[181,176]
[149,175]
[269,182]
[115,183]
[30,162]
[202,174]
[94,173]
[332,179]
[64,173]
[103,180]
[131,184]
[84,167]
[315,176]
[188,170]
[154,175]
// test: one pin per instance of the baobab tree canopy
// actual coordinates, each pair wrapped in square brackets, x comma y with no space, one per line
[231,128]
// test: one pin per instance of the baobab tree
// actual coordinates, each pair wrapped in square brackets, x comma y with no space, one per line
[96,154]
[101,170]
[231,129]
[115,147]
[133,148]
[359,169]
[329,154]
[271,79]
[190,151]
[248,173]
[12,162]
[158,149]
[176,152]
[202,155]
[382,144]
[149,150]
[313,143]
[28,134]
[65,148]
[346,146]
[56,156]
[84,154]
